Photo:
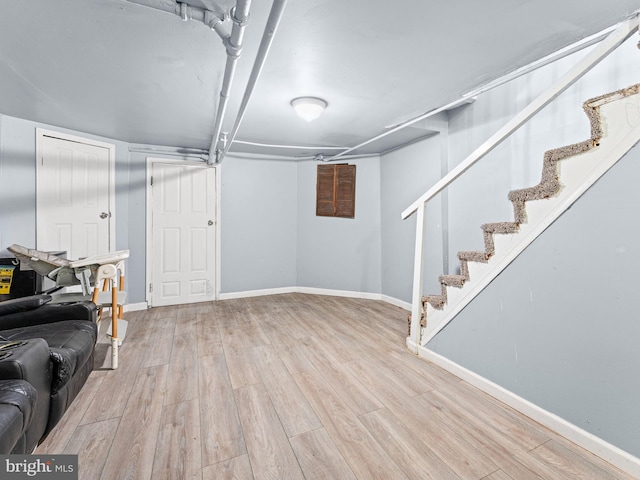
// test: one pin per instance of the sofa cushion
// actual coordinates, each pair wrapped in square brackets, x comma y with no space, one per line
[17,405]
[21,394]
[11,428]
[23,304]
[28,360]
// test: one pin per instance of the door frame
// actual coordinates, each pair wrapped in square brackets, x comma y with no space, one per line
[111,154]
[149,221]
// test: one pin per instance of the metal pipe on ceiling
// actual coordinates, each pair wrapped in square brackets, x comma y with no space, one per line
[275,15]
[240,17]
[448,106]
[232,42]
[469,97]
[216,23]
[212,19]
[184,12]
[196,153]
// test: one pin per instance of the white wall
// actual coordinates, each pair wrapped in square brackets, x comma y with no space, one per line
[405,175]
[272,238]
[340,253]
[258,222]
[18,180]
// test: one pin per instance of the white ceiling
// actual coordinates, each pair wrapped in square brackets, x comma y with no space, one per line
[144,76]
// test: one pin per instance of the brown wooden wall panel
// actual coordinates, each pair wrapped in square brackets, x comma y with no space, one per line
[345,201]
[336,190]
[325,191]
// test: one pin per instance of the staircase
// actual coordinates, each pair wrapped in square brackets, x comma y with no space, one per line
[567,172]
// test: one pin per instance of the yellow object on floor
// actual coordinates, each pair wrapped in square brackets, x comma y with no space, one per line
[6,276]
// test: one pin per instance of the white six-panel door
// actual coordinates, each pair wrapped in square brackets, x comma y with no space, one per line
[74,204]
[183,225]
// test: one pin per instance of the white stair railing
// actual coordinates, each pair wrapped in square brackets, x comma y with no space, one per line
[608,45]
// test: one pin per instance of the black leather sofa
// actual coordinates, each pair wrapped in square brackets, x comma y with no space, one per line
[49,347]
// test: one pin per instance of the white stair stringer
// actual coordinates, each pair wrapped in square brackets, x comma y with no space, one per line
[619,121]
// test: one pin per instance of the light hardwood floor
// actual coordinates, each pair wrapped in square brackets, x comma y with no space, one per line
[295,386]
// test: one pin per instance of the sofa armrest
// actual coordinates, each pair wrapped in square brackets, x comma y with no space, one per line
[23,304]
[50,313]
[26,360]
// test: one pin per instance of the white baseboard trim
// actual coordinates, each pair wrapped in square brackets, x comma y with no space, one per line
[608,452]
[316,291]
[396,302]
[338,293]
[256,293]
[135,307]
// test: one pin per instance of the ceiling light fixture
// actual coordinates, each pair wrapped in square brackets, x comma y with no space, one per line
[308,108]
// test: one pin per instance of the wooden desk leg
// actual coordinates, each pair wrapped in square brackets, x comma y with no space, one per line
[121,307]
[114,326]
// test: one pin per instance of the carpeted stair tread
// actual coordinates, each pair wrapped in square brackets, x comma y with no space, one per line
[452,280]
[477,256]
[437,301]
[500,228]
[466,257]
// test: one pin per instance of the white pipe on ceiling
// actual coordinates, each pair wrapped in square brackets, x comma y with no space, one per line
[275,15]
[212,19]
[239,16]
[470,97]
[169,151]
[232,42]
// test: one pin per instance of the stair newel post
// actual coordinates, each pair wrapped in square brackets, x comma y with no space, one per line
[416,299]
